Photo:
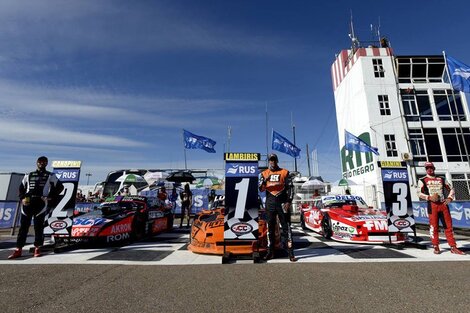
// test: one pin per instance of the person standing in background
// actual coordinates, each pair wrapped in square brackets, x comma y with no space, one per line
[186,197]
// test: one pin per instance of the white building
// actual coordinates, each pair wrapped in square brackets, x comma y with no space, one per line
[404,106]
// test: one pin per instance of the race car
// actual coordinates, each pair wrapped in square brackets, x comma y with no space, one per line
[347,218]
[207,233]
[118,220]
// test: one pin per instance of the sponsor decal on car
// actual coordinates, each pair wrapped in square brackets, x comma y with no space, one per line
[214,224]
[367,217]
[156,214]
[159,225]
[89,221]
[121,228]
[241,228]
[133,198]
[377,225]
[339,228]
[85,231]
[313,216]
[117,237]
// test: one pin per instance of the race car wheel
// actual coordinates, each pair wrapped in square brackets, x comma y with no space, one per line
[138,228]
[327,232]
[302,221]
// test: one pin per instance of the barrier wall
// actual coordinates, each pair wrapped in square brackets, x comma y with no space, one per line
[7,213]
[459,210]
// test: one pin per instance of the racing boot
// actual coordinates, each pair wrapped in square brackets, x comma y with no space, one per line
[437,250]
[269,255]
[37,252]
[15,254]
[292,257]
[455,250]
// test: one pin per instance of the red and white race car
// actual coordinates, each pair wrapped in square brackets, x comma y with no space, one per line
[347,218]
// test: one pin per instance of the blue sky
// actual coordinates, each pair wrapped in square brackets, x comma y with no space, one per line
[113,83]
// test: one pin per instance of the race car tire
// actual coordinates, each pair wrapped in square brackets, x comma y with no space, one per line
[138,228]
[302,221]
[327,232]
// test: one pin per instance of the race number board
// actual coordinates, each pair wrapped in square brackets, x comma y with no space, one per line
[59,221]
[241,196]
[397,195]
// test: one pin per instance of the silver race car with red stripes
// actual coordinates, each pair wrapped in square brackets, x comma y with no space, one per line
[347,218]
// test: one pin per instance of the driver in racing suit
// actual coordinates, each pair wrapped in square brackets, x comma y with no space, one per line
[36,189]
[432,188]
[279,194]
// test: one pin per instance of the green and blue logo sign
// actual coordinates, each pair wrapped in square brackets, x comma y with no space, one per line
[356,163]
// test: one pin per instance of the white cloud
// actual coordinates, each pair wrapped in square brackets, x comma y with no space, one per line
[26,132]
[37,28]
[33,104]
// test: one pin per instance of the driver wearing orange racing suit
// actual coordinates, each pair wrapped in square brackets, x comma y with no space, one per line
[279,194]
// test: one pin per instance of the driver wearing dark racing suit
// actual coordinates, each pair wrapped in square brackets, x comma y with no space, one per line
[279,194]
[36,189]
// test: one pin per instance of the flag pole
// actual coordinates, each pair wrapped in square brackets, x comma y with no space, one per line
[308,163]
[184,149]
[267,136]
[455,104]
[293,131]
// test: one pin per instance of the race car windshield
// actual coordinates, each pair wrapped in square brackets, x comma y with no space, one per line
[338,203]
[113,208]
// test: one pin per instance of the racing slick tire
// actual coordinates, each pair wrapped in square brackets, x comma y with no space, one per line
[327,232]
[138,228]
[302,221]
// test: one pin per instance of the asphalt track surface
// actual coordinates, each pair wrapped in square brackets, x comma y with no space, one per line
[313,284]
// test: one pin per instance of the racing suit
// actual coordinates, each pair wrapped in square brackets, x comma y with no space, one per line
[279,190]
[35,188]
[427,186]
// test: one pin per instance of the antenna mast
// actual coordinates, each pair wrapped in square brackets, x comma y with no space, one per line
[352,35]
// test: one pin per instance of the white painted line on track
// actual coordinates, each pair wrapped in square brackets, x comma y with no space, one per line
[320,251]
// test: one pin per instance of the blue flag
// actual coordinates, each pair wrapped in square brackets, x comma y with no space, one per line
[459,74]
[192,141]
[351,142]
[283,145]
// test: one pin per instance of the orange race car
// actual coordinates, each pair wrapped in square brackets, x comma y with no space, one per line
[207,234]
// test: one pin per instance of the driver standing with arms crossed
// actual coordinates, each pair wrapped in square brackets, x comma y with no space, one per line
[279,194]
[431,188]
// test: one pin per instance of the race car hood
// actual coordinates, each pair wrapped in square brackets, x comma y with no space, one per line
[88,225]
[359,214]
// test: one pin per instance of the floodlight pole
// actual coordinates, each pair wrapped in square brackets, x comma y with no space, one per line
[184,151]
[88,178]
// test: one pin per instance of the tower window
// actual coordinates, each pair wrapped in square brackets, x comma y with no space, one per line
[378,68]
[384,105]
[391,146]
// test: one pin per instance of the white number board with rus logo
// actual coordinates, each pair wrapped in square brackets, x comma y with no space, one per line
[398,200]
[59,221]
[241,196]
